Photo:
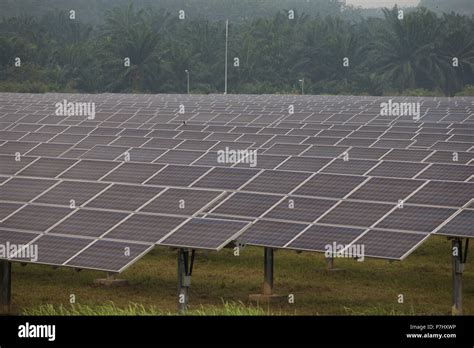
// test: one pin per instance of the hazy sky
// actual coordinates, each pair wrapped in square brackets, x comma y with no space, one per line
[382,3]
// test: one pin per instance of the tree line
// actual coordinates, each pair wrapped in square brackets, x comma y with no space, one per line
[148,51]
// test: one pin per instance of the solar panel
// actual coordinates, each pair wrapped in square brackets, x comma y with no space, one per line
[23,189]
[322,238]
[418,219]
[179,157]
[145,228]
[354,166]
[101,152]
[450,157]
[134,173]
[438,193]
[14,237]
[8,208]
[454,172]
[246,204]
[47,167]
[263,162]
[90,223]
[304,164]
[226,178]
[397,169]
[13,147]
[460,225]
[205,234]
[124,197]
[286,149]
[178,176]
[273,181]
[325,151]
[9,165]
[386,189]
[88,170]
[35,218]
[389,245]
[49,150]
[145,155]
[64,192]
[356,214]
[181,201]
[300,209]
[109,255]
[328,185]
[271,234]
[407,155]
[56,250]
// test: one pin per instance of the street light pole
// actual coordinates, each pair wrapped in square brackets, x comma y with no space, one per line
[187,73]
[302,86]
[226,39]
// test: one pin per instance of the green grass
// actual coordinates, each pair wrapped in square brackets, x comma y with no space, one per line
[222,282]
[137,309]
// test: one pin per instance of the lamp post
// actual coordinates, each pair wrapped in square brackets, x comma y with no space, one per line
[226,40]
[187,74]
[302,86]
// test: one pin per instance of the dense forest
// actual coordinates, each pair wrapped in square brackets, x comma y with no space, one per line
[148,50]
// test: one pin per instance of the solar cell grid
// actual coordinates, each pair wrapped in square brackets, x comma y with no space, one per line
[90,223]
[271,234]
[181,201]
[226,178]
[389,245]
[205,234]
[318,237]
[124,197]
[35,218]
[276,181]
[145,228]
[108,255]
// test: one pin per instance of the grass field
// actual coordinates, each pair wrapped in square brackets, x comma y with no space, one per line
[222,282]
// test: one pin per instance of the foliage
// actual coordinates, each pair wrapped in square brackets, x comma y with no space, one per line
[384,54]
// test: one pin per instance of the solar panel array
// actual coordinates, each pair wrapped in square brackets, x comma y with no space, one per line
[100,193]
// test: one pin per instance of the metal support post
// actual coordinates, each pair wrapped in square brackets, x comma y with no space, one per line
[268,272]
[6,277]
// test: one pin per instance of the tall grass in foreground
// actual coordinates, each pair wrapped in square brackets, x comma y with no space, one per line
[227,308]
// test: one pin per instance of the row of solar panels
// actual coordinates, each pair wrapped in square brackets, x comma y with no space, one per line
[282,209]
[236,109]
